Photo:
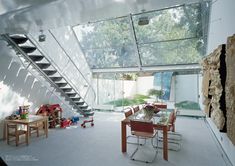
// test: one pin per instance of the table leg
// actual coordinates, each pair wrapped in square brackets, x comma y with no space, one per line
[46,127]
[165,143]
[123,132]
[4,130]
[27,134]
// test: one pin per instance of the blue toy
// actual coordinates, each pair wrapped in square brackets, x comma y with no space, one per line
[74,119]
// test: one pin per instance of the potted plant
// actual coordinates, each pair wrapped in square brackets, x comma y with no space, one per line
[155,92]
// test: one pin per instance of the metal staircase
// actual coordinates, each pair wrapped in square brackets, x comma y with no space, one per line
[26,49]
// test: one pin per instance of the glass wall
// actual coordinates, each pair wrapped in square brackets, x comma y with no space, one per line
[171,36]
[63,50]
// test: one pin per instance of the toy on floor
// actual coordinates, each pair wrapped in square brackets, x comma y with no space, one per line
[65,123]
[88,121]
[74,120]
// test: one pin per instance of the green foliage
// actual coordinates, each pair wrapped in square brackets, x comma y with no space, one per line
[138,99]
[188,105]
[140,96]
[109,43]
[155,92]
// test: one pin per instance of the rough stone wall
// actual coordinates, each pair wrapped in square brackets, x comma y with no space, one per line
[211,67]
[230,88]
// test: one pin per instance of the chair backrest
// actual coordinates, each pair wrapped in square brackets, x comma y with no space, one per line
[163,106]
[140,126]
[172,119]
[136,109]
[128,112]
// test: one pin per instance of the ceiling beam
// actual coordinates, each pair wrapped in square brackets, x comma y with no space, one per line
[183,67]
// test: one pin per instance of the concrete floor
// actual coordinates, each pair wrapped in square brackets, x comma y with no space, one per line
[101,146]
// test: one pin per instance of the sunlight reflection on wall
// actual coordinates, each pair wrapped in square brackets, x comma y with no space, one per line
[10,101]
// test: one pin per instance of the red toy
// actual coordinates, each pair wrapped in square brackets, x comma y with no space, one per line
[65,123]
[87,121]
[54,113]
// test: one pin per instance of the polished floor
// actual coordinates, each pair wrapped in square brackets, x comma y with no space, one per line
[101,146]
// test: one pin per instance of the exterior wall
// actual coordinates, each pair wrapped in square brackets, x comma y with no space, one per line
[144,84]
[186,88]
[222,26]
[109,90]
[172,94]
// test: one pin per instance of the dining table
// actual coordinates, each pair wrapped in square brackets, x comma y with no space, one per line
[160,122]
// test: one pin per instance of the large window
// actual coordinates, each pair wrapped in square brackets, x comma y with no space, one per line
[175,35]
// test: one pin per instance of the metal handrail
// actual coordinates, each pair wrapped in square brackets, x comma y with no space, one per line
[73,63]
[51,60]
[7,38]
[30,37]
[39,79]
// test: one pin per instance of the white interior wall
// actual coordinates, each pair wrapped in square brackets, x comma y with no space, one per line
[21,86]
[222,25]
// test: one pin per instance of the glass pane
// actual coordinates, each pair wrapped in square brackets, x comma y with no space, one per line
[108,43]
[111,57]
[169,24]
[75,79]
[68,41]
[172,52]
[52,50]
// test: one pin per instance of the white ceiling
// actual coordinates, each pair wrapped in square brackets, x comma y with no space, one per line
[24,16]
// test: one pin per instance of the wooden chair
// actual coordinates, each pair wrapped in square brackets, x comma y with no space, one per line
[34,128]
[13,131]
[136,109]
[128,112]
[145,130]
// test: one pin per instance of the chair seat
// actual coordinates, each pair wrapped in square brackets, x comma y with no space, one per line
[143,134]
[144,130]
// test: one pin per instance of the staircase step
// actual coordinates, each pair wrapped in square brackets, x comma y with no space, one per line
[56,78]
[61,84]
[87,110]
[67,89]
[75,98]
[28,49]
[79,102]
[89,113]
[43,65]
[19,39]
[83,106]
[36,58]
[71,94]
[50,72]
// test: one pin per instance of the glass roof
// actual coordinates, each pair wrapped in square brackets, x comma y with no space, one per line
[175,35]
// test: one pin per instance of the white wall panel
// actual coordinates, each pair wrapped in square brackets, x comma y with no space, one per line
[222,25]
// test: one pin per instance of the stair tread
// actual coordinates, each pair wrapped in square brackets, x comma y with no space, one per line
[61,84]
[36,57]
[19,39]
[56,78]
[28,49]
[50,72]
[43,65]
